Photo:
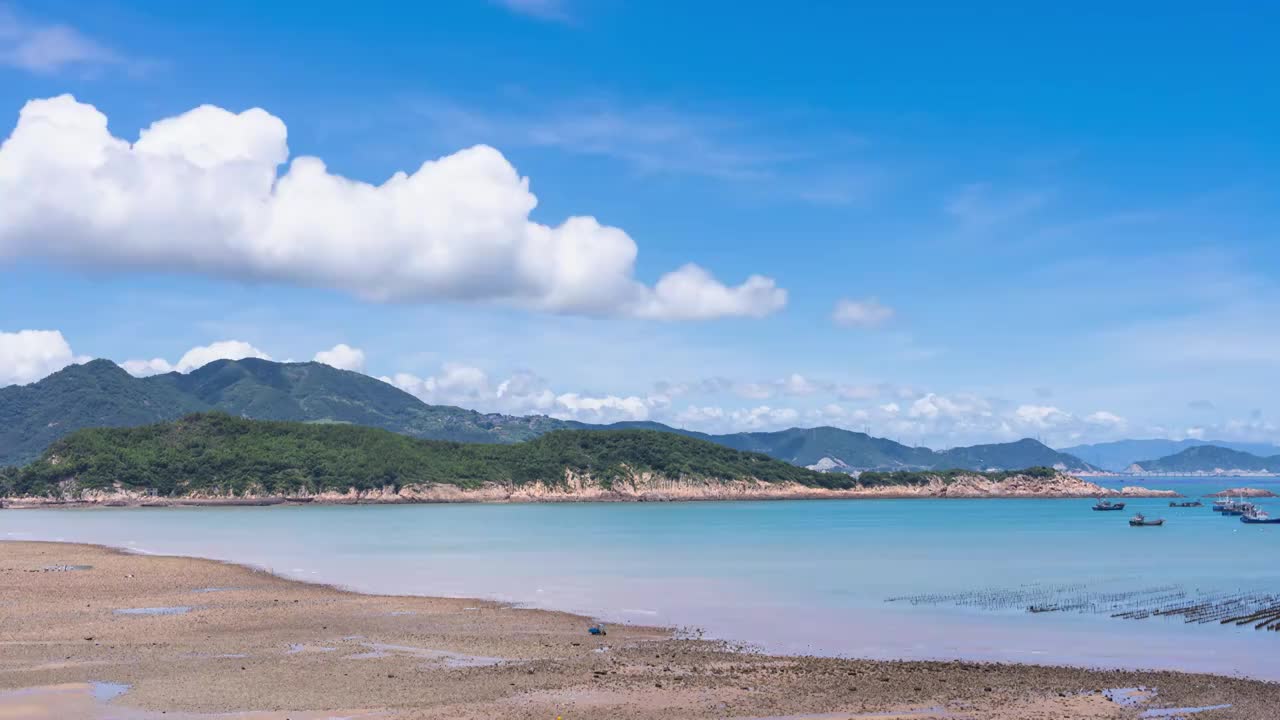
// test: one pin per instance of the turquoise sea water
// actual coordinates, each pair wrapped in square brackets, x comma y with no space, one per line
[791,576]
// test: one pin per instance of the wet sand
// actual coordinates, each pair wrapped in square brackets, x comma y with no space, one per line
[89,632]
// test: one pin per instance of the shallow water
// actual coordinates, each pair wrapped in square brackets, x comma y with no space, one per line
[792,576]
[176,610]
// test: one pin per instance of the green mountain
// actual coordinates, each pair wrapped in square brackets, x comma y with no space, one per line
[215,453]
[101,394]
[94,394]
[1007,456]
[849,450]
[1118,455]
[1208,459]
[808,446]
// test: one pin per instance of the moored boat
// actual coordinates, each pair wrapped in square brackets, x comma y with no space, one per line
[1103,505]
[1238,508]
[1257,516]
[1141,520]
[1189,503]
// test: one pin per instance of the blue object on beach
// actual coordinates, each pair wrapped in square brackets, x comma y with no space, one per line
[597,630]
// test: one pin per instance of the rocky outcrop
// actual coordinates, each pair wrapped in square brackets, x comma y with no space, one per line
[1244,492]
[636,487]
[1061,485]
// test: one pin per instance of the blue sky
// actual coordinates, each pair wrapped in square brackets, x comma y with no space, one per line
[966,223]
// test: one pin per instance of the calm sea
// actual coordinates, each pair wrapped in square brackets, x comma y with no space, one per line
[791,576]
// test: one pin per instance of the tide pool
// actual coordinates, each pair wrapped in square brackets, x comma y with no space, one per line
[789,576]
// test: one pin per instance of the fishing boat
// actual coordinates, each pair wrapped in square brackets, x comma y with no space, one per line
[1238,508]
[1141,520]
[1220,505]
[1190,503]
[1103,505]
[1258,516]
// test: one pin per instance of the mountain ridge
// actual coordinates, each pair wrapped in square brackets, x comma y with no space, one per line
[1118,455]
[1210,459]
[99,393]
[216,458]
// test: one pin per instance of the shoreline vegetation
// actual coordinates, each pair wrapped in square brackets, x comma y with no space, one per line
[133,636]
[217,459]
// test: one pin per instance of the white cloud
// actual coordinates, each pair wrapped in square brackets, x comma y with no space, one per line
[196,357]
[47,48]
[609,408]
[832,411]
[522,393]
[796,384]
[933,406]
[343,357]
[29,355]
[1106,419]
[718,419]
[1041,416]
[457,228]
[866,313]
[691,293]
[144,368]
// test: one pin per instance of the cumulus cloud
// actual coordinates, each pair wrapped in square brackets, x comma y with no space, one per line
[29,355]
[145,368]
[866,313]
[343,357]
[200,193]
[522,393]
[196,357]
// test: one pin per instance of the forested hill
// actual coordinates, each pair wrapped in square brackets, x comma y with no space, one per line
[1209,459]
[215,453]
[101,394]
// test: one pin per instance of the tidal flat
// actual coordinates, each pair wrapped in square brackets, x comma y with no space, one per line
[268,647]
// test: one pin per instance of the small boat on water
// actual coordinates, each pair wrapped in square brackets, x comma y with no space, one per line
[1220,505]
[1257,516]
[1190,503]
[1104,505]
[1141,520]
[1238,508]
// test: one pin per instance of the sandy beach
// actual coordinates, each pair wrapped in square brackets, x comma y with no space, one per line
[90,632]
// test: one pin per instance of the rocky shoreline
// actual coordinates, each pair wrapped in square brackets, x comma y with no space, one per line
[640,487]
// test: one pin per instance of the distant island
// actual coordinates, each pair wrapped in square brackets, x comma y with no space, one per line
[1209,460]
[99,393]
[217,458]
[1118,456]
